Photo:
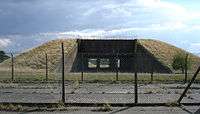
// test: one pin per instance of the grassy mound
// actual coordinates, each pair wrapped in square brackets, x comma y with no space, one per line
[35,58]
[165,52]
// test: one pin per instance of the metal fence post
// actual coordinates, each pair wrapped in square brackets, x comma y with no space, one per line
[186,68]
[152,70]
[12,67]
[82,67]
[116,65]
[135,67]
[46,60]
[188,86]
[63,74]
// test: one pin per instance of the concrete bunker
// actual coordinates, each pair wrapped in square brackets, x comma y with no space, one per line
[109,55]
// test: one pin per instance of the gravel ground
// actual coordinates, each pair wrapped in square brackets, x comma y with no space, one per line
[96,93]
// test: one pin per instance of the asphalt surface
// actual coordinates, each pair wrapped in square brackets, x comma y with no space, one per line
[97,93]
[101,93]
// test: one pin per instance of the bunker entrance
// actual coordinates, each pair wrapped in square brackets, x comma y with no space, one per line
[104,56]
[113,55]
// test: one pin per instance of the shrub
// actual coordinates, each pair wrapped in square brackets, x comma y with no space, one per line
[179,60]
[3,56]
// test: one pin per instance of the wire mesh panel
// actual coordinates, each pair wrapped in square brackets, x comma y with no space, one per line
[157,81]
[98,79]
[163,87]
[88,75]
[33,79]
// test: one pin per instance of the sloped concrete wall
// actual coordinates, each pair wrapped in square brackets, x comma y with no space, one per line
[146,62]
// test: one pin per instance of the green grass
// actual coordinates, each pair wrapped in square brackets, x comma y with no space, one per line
[28,75]
[10,107]
[40,75]
[129,77]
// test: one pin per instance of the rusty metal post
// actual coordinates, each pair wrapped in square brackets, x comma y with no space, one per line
[188,86]
[186,68]
[136,77]
[46,60]
[12,67]
[63,73]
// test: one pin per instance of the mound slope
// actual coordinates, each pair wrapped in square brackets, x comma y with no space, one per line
[35,58]
[165,52]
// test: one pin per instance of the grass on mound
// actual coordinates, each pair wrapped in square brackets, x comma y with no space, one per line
[35,58]
[165,52]
[30,65]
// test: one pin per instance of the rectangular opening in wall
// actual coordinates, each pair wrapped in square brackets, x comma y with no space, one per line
[104,63]
[92,63]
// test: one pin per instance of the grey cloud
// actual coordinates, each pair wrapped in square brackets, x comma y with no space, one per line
[27,17]
[4,42]
[34,16]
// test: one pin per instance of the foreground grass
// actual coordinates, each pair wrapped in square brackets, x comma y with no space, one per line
[34,107]
[130,77]
[91,77]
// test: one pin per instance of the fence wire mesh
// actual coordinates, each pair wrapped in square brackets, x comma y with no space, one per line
[95,78]
[30,78]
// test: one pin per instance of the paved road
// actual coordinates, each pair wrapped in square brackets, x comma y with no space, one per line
[96,93]
[95,98]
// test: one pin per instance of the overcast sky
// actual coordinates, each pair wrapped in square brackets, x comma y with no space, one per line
[28,23]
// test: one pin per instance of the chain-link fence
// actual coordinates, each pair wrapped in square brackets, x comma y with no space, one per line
[117,77]
[120,67]
[110,77]
[24,67]
[30,78]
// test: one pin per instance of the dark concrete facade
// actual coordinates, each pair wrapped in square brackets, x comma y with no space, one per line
[114,55]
